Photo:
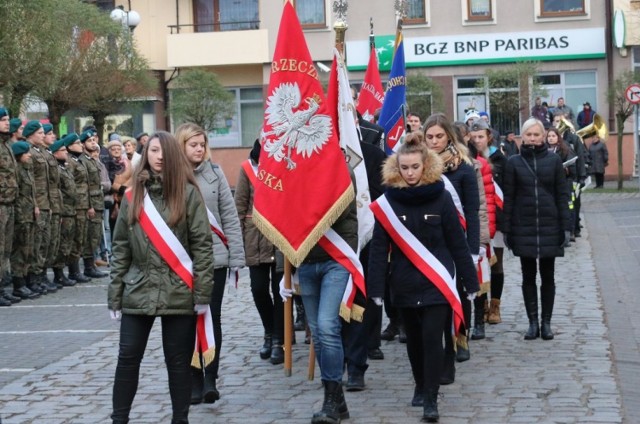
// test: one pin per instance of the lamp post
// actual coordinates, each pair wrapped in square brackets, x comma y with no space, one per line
[128,18]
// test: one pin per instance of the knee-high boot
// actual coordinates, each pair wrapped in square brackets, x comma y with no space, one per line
[478,312]
[530,294]
[547,296]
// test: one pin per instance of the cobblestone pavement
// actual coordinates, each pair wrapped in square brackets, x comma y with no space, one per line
[66,376]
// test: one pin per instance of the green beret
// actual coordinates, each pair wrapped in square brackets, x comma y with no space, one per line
[30,128]
[14,125]
[20,147]
[69,139]
[47,128]
[57,145]
[3,112]
[86,134]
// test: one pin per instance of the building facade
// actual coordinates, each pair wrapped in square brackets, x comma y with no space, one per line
[453,42]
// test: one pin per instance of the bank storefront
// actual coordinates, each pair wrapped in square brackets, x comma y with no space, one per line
[567,66]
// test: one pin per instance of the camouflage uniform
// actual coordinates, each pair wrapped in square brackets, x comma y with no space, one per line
[94,226]
[81,177]
[8,195]
[68,203]
[55,199]
[23,255]
[42,238]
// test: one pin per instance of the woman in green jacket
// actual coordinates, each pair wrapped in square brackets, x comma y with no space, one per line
[145,286]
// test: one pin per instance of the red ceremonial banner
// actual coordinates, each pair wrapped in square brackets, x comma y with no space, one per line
[371,93]
[303,183]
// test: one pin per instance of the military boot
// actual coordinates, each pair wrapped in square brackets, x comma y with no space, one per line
[35,284]
[51,286]
[60,279]
[74,273]
[20,289]
[90,269]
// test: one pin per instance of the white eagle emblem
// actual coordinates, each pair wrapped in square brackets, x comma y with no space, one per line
[301,129]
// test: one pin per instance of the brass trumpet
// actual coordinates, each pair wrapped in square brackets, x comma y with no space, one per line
[597,127]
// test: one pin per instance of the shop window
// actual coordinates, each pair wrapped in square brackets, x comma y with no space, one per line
[225,15]
[552,8]
[311,13]
[479,10]
[416,12]
[242,128]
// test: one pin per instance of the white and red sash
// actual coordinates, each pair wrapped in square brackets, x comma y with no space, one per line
[232,275]
[419,256]
[341,252]
[456,201]
[499,195]
[175,255]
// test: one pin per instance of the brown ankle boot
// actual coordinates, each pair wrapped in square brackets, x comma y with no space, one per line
[494,312]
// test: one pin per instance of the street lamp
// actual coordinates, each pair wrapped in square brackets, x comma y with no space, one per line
[128,18]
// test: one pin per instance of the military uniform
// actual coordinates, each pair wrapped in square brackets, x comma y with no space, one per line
[55,200]
[23,254]
[95,224]
[42,238]
[81,178]
[8,195]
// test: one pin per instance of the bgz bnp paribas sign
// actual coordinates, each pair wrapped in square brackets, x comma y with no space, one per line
[473,49]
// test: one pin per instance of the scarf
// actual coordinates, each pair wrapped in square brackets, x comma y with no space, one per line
[451,158]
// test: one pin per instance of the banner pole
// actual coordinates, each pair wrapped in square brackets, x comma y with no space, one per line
[288,312]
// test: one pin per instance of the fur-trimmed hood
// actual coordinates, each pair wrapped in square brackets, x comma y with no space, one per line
[391,173]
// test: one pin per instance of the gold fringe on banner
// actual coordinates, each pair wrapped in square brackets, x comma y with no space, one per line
[345,312]
[279,240]
[207,357]
[357,313]
[485,287]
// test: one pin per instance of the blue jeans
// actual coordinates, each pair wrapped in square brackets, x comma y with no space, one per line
[322,285]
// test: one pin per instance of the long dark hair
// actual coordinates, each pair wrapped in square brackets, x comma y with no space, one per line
[176,173]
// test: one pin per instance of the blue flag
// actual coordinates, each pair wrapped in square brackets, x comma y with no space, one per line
[392,116]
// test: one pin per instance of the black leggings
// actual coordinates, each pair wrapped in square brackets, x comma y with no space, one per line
[424,342]
[547,270]
[265,282]
[178,339]
[219,283]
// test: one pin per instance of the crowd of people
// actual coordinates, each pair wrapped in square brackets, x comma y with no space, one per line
[162,215]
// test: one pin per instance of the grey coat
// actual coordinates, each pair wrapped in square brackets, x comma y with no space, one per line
[219,200]
[599,157]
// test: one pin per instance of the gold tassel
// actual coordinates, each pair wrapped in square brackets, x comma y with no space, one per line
[357,313]
[493,260]
[485,288]
[345,312]
[195,360]
[208,356]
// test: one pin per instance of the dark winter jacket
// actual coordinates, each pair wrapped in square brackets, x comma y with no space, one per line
[427,210]
[536,207]
[599,157]
[463,179]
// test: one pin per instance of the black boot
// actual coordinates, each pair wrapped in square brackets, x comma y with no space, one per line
[478,328]
[277,352]
[265,351]
[8,296]
[547,296]
[418,396]
[430,411]
[334,407]
[90,269]
[34,284]
[298,325]
[20,289]
[390,332]
[74,273]
[530,294]
[448,374]
[197,384]
[61,279]
[50,285]
[210,393]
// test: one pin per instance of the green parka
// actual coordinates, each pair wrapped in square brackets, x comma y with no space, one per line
[141,281]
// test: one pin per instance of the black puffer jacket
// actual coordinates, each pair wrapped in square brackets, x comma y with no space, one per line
[536,207]
[426,210]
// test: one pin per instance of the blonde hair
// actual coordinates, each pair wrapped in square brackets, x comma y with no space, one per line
[189,130]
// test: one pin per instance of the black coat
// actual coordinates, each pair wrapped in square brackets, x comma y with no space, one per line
[536,207]
[371,133]
[464,181]
[429,213]
[373,160]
